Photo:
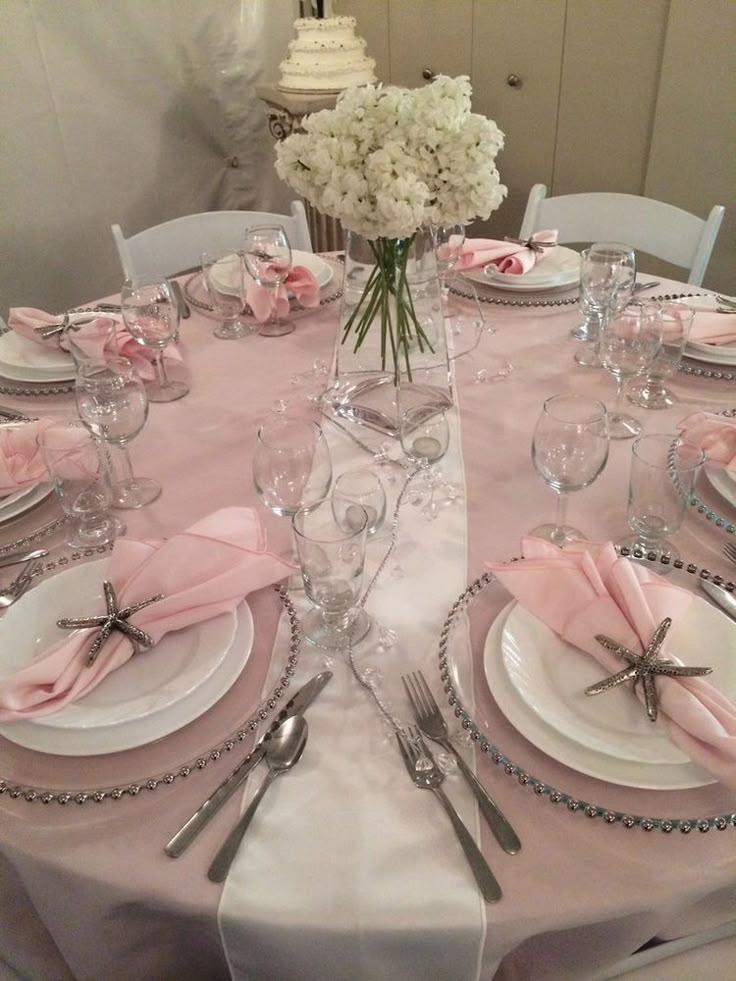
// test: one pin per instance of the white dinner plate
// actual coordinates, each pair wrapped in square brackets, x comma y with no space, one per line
[321,270]
[16,504]
[722,481]
[24,360]
[559,269]
[721,354]
[153,694]
[577,755]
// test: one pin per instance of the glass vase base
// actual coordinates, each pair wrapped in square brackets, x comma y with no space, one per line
[170,392]
[651,398]
[372,401]
[275,328]
[558,534]
[325,635]
[651,552]
[132,494]
[623,427]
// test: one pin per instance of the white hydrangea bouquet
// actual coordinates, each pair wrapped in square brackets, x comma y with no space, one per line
[385,162]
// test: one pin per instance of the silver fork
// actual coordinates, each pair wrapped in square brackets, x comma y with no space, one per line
[15,589]
[431,722]
[428,776]
[729,551]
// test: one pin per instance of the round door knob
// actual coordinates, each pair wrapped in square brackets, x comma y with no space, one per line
[429,74]
[514,81]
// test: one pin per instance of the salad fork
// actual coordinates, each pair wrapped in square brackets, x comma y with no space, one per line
[426,775]
[15,589]
[729,551]
[432,723]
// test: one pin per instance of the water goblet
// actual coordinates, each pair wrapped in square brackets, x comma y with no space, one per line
[629,342]
[569,450]
[79,472]
[268,260]
[331,561]
[113,404]
[651,393]
[223,279]
[607,277]
[151,315]
[355,493]
[664,468]
[292,468]
[448,243]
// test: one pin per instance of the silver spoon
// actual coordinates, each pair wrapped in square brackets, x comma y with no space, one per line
[283,750]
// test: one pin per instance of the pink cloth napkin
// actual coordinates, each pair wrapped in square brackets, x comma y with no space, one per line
[710,327]
[21,463]
[202,572]
[263,301]
[93,338]
[507,257]
[715,435]
[584,590]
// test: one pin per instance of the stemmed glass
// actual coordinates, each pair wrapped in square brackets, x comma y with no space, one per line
[268,260]
[651,393]
[448,243]
[569,450]
[628,344]
[292,468]
[331,559]
[607,278]
[112,403]
[223,280]
[151,315]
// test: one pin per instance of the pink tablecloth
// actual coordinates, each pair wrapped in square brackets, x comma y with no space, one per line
[86,891]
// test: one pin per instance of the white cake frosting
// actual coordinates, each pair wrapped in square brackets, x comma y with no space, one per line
[326,56]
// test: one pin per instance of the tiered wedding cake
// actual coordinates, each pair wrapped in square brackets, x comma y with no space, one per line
[327,56]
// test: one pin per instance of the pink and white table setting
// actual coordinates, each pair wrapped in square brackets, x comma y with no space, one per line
[626,824]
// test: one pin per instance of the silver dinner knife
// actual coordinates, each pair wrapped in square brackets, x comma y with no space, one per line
[184,311]
[295,706]
[720,596]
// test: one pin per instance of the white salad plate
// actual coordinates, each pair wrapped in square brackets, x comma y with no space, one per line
[722,481]
[321,270]
[720,354]
[14,505]
[152,695]
[24,360]
[607,755]
[559,268]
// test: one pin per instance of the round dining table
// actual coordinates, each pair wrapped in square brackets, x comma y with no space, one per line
[348,870]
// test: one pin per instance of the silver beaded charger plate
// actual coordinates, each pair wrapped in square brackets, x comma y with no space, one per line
[538,682]
[151,696]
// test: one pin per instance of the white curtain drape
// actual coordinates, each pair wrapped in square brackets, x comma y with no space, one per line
[128,111]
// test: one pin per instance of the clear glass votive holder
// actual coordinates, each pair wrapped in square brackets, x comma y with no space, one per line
[355,492]
[79,472]
[664,468]
[651,393]
[424,433]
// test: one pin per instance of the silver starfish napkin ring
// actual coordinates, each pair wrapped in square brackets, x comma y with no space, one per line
[644,667]
[113,619]
[538,247]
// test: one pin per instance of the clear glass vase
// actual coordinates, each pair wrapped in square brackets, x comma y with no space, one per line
[392,331]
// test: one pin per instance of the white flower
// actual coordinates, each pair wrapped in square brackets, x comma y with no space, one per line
[387,160]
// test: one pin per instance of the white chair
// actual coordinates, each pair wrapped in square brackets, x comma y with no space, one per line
[650,226]
[706,956]
[176,246]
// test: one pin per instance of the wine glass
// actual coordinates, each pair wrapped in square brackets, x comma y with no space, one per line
[664,468]
[268,260]
[112,403]
[569,450]
[651,393]
[79,472]
[331,559]
[223,280]
[448,243]
[628,344]
[292,468]
[607,277]
[151,315]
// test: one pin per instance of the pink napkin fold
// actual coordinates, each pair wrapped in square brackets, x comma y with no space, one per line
[507,257]
[93,338]
[263,301]
[586,589]
[715,435]
[202,572]
[710,327]
[21,463]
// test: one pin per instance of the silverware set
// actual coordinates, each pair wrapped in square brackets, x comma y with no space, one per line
[15,589]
